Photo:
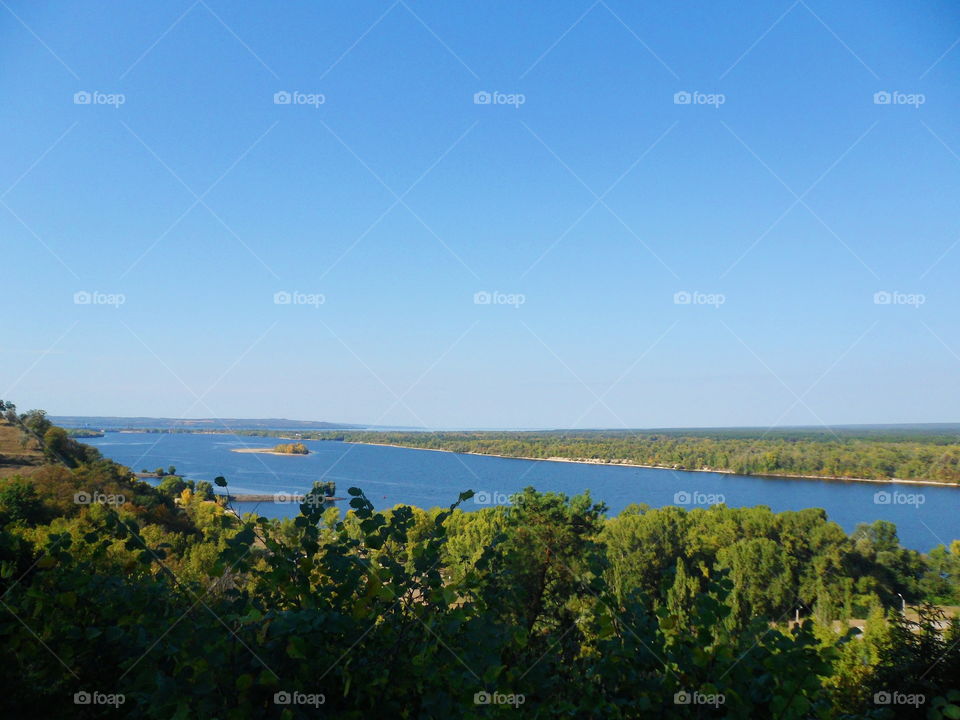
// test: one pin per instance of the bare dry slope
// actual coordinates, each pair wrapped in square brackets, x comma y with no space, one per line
[15,457]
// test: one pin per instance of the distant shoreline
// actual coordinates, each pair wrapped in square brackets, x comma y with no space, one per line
[622,463]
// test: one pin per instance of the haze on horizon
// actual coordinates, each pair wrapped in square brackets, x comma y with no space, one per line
[414,214]
[226,424]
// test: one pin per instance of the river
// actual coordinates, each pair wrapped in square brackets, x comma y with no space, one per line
[925,515]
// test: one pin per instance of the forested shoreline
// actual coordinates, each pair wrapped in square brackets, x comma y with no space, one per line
[928,455]
[824,455]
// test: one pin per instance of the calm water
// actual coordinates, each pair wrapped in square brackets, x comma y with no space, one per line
[428,479]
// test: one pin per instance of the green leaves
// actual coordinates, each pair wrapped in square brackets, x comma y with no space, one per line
[296,648]
[405,612]
[945,706]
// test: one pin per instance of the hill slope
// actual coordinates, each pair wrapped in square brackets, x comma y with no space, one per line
[14,456]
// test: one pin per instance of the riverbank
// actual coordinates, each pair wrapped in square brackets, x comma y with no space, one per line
[624,463]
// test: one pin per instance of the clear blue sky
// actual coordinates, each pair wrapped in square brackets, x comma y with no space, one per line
[398,198]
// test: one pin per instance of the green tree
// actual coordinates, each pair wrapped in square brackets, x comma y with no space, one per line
[19,502]
[682,596]
[203,490]
[33,425]
[761,581]
[172,486]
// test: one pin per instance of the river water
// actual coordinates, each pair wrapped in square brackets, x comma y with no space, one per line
[925,515]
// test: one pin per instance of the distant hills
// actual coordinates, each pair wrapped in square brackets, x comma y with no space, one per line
[151,423]
[224,424]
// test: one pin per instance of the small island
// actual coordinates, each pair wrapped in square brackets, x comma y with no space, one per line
[84,433]
[297,448]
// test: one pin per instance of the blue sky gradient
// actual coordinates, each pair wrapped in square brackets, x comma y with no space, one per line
[782,212]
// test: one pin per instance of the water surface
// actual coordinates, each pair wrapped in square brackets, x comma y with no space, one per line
[390,476]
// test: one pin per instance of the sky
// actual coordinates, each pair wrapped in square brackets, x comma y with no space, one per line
[482,214]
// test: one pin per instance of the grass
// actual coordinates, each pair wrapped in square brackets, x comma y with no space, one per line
[16,458]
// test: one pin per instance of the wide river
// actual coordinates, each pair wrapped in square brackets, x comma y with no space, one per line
[925,515]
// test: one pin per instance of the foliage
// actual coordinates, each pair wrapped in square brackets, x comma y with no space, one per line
[291,449]
[546,605]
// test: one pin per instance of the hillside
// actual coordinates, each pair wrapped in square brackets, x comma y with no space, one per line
[15,457]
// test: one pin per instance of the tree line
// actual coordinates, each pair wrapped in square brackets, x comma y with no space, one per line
[933,457]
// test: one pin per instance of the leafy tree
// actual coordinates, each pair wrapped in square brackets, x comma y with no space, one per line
[761,583]
[34,424]
[19,502]
[682,595]
[172,486]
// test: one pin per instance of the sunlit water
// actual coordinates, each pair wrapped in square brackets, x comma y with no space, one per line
[925,515]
